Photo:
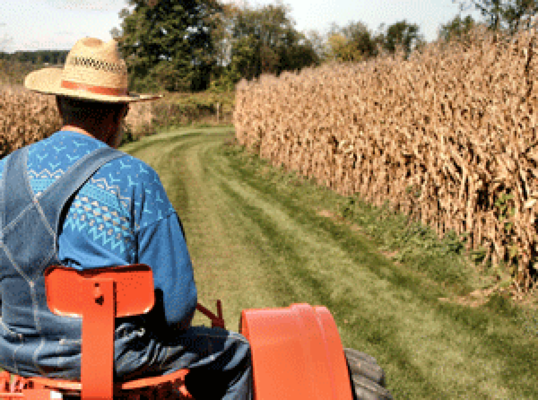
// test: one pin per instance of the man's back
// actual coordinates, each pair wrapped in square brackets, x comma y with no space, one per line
[121,215]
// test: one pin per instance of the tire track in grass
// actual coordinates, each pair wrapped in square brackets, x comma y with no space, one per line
[485,354]
[316,266]
[225,266]
[255,246]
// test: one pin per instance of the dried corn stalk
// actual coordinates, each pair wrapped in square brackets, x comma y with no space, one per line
[448,137]
[25,118]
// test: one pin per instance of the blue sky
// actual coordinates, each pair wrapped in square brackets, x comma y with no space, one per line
[58,24]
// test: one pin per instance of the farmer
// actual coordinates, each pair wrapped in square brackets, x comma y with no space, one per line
[73,199]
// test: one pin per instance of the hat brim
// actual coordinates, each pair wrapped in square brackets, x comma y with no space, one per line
[48,81]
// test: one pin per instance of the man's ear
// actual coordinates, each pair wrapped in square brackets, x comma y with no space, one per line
[59,106]
[121,114]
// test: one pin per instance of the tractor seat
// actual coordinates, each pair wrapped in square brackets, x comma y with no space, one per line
[99,296]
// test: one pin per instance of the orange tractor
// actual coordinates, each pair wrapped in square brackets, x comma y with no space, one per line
[296,351]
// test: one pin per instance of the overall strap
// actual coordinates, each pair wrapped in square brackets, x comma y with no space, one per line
[53,199]
[17,193]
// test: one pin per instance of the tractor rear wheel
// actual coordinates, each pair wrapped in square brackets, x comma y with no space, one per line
[367,377]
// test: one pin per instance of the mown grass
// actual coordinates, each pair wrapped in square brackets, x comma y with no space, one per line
[428,267]
[261,237]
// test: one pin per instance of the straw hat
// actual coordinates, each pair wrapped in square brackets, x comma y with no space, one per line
[93,70]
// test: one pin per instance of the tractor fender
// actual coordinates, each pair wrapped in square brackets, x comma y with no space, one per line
[296,353]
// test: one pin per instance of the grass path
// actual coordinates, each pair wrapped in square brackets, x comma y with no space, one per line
[257,241]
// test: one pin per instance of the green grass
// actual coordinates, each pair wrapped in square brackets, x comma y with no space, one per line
[262,237]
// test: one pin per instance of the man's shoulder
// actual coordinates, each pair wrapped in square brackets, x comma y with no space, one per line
[140,183]
[138,172]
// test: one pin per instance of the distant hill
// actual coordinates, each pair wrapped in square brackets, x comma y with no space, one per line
[15,66]
[50,57]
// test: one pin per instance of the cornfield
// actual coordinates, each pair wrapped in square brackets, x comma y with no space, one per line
[25,118]
[447,136]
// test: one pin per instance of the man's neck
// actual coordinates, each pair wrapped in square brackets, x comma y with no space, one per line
[77,129]
[109,137]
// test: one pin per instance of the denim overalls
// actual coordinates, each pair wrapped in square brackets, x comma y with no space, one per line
[33,341]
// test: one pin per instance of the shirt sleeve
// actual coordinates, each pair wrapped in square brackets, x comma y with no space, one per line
[162,246]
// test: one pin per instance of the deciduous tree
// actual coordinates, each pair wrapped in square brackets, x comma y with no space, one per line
[353,42]
[504,15]
[402,34]
[168,43]
[265,40]
[457,28]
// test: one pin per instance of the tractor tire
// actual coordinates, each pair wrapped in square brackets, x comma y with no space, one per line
[365,365]
[367,377]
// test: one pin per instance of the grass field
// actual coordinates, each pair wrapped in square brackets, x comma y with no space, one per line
[260,237]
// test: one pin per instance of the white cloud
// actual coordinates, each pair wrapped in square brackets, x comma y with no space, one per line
[95,5]
[240,3]
[48,42]
[5,43]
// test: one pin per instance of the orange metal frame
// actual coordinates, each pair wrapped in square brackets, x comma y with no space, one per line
[296,354]
[98,296]
[296,351]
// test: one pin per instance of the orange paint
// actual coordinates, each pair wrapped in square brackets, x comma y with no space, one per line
[296,354]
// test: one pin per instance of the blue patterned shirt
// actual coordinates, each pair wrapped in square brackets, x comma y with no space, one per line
[121,216]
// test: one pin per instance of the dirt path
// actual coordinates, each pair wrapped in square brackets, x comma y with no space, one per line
[255,246]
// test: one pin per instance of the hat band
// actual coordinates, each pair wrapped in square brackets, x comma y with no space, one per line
[94,89]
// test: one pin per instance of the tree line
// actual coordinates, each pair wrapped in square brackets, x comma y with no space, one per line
[195,45]
[40,57]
